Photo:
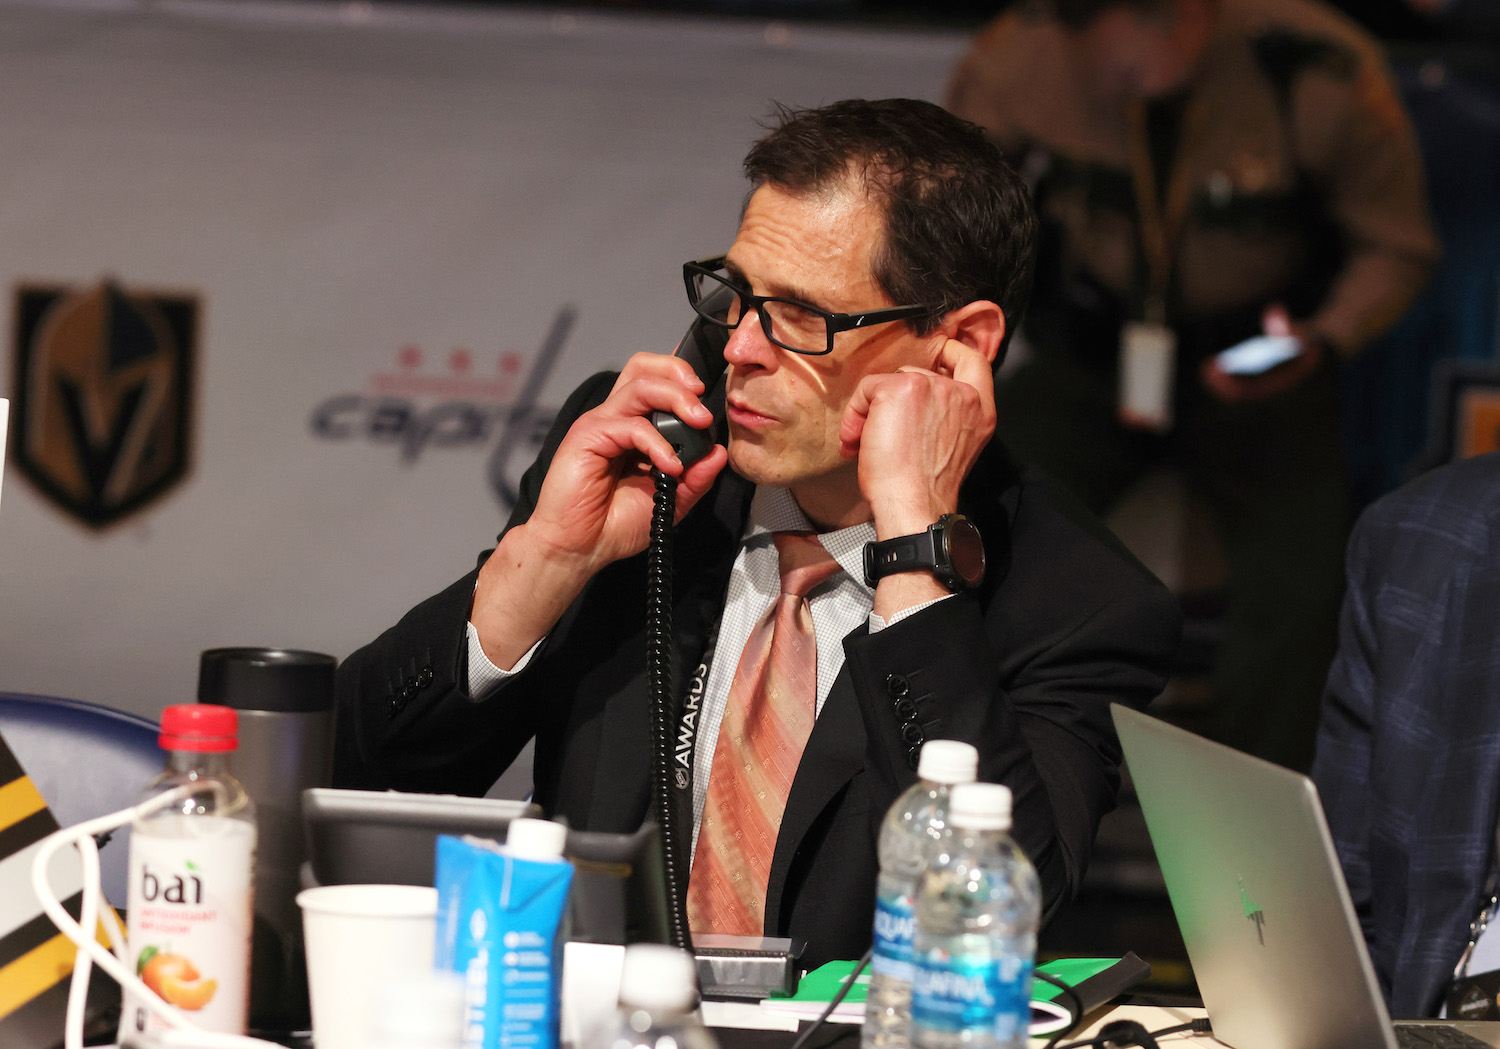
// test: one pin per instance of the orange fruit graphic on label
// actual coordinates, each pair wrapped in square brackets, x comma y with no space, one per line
[175,978]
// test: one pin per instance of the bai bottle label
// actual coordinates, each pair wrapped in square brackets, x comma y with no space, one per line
[190,914]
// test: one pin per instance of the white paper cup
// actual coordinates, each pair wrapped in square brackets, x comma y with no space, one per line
[359,938]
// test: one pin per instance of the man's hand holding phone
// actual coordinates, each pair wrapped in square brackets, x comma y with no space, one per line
[595,505]
[1264,366]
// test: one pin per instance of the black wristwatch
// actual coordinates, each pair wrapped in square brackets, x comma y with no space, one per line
[951,550]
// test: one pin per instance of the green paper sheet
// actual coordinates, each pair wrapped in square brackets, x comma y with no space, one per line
[824,982]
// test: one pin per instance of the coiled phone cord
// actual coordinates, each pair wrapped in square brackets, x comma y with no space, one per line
[659,675]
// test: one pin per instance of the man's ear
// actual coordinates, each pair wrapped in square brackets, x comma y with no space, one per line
[980,325]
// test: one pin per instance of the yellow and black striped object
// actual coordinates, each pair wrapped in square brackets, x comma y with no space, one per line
[36,960]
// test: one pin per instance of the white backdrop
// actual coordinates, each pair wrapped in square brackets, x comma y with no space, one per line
[365,200]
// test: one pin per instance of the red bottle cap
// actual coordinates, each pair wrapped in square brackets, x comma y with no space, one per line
[200,727]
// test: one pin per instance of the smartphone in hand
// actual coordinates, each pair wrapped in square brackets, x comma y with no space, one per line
[1258,355]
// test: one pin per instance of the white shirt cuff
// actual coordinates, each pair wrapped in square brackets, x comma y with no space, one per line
[484,676]
[878,623]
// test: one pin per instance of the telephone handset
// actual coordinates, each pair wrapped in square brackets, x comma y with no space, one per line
[703,348]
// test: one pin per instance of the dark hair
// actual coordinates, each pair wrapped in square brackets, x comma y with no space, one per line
[959,225]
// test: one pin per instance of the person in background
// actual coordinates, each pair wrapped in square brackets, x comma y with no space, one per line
[882,260]
[1461,19]
[1207,171]
[1408,757]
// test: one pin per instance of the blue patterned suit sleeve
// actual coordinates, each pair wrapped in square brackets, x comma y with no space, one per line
[1341,768]
[1409,746]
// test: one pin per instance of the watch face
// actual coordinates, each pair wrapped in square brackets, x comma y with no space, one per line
[965,551]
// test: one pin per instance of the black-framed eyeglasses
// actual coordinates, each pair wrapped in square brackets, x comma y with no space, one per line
[790,324]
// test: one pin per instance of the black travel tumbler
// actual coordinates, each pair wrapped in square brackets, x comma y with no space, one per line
[285,703]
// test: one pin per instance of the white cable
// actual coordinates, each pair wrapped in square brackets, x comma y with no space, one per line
[88,919]
[186,1034]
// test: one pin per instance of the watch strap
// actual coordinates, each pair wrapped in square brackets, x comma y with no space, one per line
[904,553]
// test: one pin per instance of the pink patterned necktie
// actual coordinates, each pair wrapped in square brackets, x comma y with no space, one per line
[772,703]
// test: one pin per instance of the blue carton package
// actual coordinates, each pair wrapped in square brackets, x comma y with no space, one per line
[499,918]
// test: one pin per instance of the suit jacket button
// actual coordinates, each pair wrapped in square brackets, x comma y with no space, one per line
[912,733]
[896,686]
[906,709]
[424,677]
[913,756]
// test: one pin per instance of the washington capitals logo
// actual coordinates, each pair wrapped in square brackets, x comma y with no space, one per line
[102,386]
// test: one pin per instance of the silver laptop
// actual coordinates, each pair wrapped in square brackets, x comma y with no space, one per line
[1260,898]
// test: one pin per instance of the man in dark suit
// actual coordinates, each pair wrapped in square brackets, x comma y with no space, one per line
[861,427]
[1408,758]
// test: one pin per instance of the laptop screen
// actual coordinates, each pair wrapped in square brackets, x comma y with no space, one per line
[1258,893]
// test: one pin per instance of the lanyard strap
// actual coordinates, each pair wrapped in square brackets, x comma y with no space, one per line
[1158,222]
[685,747]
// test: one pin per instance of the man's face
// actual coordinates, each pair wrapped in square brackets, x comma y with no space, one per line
[1140,53]
[784,408]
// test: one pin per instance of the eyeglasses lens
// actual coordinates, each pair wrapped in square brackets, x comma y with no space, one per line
[796,328]
[792,327]
[716,298]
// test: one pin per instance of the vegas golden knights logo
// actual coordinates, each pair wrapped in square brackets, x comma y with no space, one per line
[103,379]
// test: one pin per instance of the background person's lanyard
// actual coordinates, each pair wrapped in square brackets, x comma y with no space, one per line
[1158,224]
[1148,347]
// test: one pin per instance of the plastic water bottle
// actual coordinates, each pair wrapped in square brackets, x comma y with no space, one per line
[975,941]
[911,829]
[658,999]
[190,892]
